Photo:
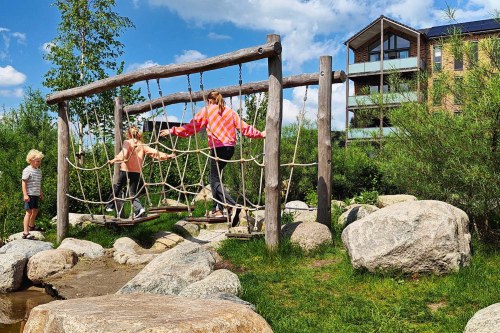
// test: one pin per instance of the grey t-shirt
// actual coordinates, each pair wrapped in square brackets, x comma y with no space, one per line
[33,178]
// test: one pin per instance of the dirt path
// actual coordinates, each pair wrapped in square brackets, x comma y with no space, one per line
[91,277]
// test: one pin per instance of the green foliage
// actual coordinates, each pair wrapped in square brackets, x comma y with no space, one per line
[355,170]
[312,198]
[29,127]
[454,158]
[366,197]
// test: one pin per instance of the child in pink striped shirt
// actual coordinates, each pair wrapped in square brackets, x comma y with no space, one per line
[221,123]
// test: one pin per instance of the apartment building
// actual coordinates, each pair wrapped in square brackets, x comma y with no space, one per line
[386,49]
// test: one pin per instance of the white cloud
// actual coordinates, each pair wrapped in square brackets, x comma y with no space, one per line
[9,76]
[313,28]
[45,48]
[136,66]
[189,56]
[299,23]
[16,93]
[21,37]
[215,36]
[4,29]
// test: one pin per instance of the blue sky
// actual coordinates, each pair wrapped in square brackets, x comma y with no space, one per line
[175,31]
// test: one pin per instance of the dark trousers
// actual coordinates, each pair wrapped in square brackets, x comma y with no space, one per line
[134,180]
[218,191]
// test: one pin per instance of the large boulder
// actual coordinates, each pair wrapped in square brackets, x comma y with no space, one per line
[25,247]
[387,200]
[83,248]
[186,229]
[11,271]
[172,271]
[486,320]
[204,195]
[49,262]
[301,211]
[37,234]
[165,240]
[308,235]
[144,313]
[410,237]
[220,281]
[355,212]
[127,251]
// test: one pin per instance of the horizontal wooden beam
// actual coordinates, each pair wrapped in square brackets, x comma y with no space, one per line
[157,72]
[230,91]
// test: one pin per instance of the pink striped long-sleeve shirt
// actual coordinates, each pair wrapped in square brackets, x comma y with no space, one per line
[221,127]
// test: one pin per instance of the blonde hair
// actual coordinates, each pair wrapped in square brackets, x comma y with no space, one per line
[134,133]
[34,154]
[219,100]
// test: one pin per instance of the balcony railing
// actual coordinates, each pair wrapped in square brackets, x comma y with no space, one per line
[388,98]
[389,65]
[369,133]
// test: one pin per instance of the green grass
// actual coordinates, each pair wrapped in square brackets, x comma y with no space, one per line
[321,292]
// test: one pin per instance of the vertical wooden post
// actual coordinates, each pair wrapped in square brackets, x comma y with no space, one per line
[325,141]
[119,102]
[62,171]
[381,88]
[347,95]
[272,149]
[418,68]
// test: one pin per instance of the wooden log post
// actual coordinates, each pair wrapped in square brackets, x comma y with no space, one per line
[325,141]
[119,102]
[272,148]
[62,171]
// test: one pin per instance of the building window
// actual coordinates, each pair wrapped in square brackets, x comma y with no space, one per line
[459,62]
[395,47]
[437,58]
[437,92]
[474,53]
[459,86]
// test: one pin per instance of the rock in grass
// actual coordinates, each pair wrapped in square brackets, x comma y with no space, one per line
[144,313]
[410,237]
[486,320]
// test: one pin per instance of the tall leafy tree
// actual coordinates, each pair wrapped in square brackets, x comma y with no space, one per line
[86,49]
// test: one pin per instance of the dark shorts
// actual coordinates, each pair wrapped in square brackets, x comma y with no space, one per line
[33,203]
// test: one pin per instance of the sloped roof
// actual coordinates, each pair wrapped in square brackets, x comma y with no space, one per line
[482,26]
[373,29]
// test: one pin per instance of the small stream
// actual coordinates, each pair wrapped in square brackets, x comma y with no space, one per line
[15,308]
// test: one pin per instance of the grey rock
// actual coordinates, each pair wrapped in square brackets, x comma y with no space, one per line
[356,212]
[410,237]
[486,320]
[25,247]
[49,262]
[173,270]
[144,313]
[308,235]
[11,271]
[220,281]
[83,248]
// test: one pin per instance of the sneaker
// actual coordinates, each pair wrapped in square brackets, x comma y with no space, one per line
[140,213]
[109,209]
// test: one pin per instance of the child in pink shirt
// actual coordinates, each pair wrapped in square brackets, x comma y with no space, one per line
[131,158]
[221,123]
